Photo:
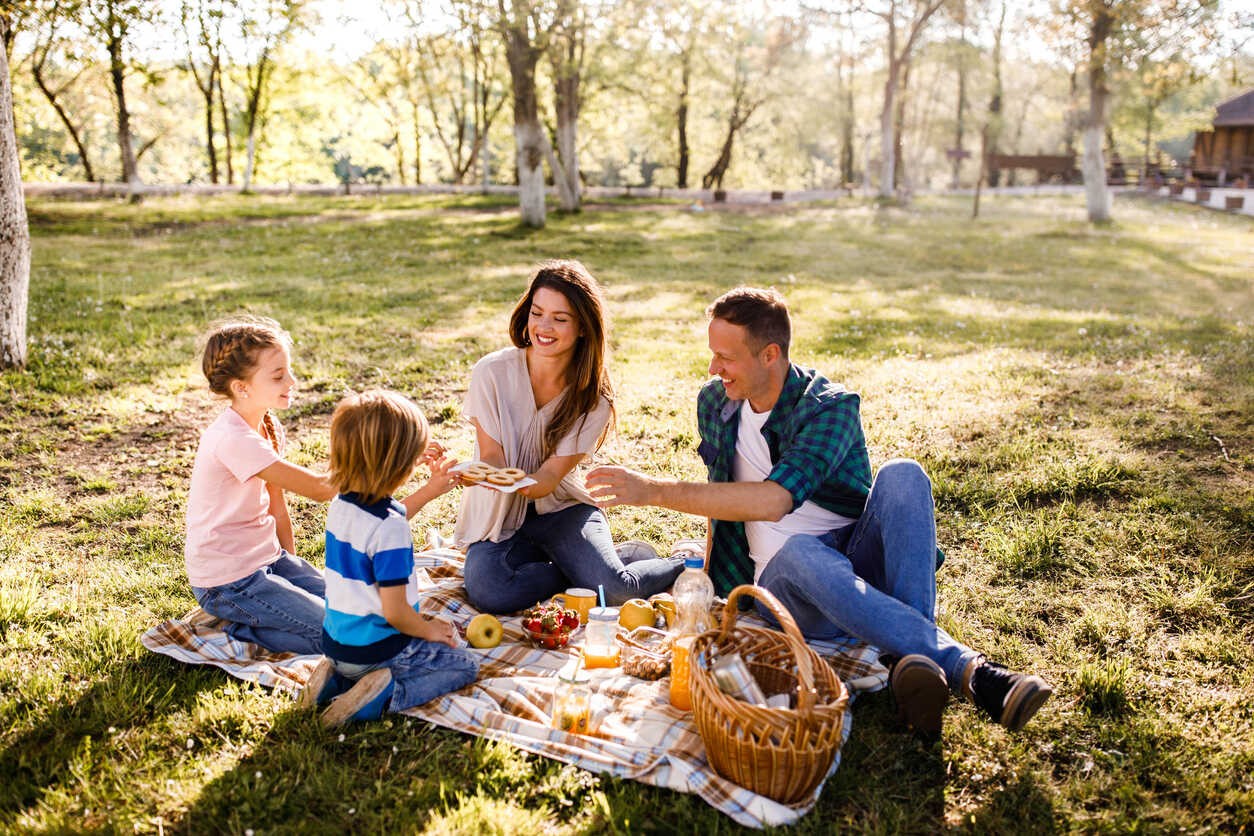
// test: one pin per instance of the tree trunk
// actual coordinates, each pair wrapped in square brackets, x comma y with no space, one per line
[14,232]
[714,177]
[681,117]
[1096,193]
[962,101]
[530,141]
[249,160]
[51,96]
[901,175]
[117,72]
[228,154]
[847,117]
[211,146]
[992,131]
[888,139]
[566,103]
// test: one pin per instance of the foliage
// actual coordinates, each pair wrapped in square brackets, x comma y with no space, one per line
[1067,388]
[397,79]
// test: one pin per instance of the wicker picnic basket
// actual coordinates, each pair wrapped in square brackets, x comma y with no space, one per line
[782,753]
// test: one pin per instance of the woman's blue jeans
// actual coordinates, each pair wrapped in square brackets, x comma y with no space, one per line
[874,580]
[551,552]
[279,607]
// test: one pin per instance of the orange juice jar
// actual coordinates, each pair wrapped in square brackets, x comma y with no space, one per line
[600,645]
[681,696]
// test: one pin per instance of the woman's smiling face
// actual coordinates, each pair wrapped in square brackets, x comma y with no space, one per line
[551,323]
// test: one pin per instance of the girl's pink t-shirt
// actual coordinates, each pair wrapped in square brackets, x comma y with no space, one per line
[230,533]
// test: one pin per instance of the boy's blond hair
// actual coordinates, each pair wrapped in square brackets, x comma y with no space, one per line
[377,438]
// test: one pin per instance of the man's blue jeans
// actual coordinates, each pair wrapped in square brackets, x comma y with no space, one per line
[874,580]
[551,552]
[421,672]
[279,607]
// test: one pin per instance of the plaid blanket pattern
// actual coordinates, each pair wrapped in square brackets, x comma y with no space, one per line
[638,734]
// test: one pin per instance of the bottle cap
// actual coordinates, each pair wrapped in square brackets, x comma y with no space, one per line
[694,561]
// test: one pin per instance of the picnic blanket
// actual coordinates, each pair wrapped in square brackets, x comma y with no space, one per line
[639,735]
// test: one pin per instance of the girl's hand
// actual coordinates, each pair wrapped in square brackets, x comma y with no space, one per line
[439,630]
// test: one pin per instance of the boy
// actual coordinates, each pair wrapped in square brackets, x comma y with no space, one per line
[381,655]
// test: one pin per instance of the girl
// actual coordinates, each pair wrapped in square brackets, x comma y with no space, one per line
[239,550]
[543,406]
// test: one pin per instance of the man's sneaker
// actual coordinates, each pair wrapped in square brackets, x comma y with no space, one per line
[920,690]
[366,700]
[324,685]
[1009,698]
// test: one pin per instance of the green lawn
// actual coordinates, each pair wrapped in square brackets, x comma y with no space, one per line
[1082,397]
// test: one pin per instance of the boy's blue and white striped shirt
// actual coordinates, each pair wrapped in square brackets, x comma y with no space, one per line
[368,546]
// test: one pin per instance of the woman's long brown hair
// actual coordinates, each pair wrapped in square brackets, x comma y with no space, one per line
[586,378]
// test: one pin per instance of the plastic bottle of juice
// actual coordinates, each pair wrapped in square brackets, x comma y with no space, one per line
[694,593]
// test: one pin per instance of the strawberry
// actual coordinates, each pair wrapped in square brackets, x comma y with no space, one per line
[570,619]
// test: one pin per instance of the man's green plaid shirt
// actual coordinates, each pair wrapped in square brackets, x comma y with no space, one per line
[817,449]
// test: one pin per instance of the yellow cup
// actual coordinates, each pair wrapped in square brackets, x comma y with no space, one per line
[579,600]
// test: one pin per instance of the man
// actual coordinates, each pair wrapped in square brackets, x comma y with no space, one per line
[792,507]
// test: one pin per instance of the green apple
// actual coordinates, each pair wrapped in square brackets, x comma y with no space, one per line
[636,613]
[484,631]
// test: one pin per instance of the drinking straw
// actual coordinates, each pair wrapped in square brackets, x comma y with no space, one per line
[601,592]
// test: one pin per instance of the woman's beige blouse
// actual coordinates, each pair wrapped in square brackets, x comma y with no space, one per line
[501,400]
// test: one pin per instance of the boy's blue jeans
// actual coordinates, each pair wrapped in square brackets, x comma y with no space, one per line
[552,552]
[421,672]
[279,607]
[874,580]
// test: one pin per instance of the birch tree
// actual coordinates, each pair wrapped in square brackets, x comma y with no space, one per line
[262,37]
[201,23]
[460,74]
[1115,32]
[53,61]
[113,23]
[904,22]
[14,232]
[526,26]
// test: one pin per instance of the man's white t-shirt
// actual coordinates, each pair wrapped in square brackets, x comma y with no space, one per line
[753,464]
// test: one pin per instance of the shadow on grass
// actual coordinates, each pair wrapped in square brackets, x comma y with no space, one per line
[66,743]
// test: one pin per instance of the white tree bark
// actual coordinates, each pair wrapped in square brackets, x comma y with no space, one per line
[248,165]
[14,233]
[532,146]
[566,166]
[1093,167]
[888,136]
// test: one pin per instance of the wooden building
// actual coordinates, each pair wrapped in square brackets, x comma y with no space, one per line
[1225,153]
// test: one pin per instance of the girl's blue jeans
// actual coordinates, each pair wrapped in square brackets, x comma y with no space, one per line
[551,552]
[421,672]
[874,580]
[279,607]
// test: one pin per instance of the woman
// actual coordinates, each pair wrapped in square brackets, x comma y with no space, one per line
[543,406]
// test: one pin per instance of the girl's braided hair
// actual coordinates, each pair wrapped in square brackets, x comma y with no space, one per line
[232,351]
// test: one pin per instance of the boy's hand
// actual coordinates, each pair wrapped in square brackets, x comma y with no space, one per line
[441,480]
[435,450]
[439,630]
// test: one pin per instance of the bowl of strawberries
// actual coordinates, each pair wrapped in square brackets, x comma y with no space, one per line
[549,625]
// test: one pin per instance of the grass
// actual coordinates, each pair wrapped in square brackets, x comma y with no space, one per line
[1082,398]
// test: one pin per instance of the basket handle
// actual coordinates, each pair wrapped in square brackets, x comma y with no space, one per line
[792,635]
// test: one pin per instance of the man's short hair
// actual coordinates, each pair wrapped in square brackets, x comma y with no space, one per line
[762,313]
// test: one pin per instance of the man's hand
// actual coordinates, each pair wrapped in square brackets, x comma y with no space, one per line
[611,485]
